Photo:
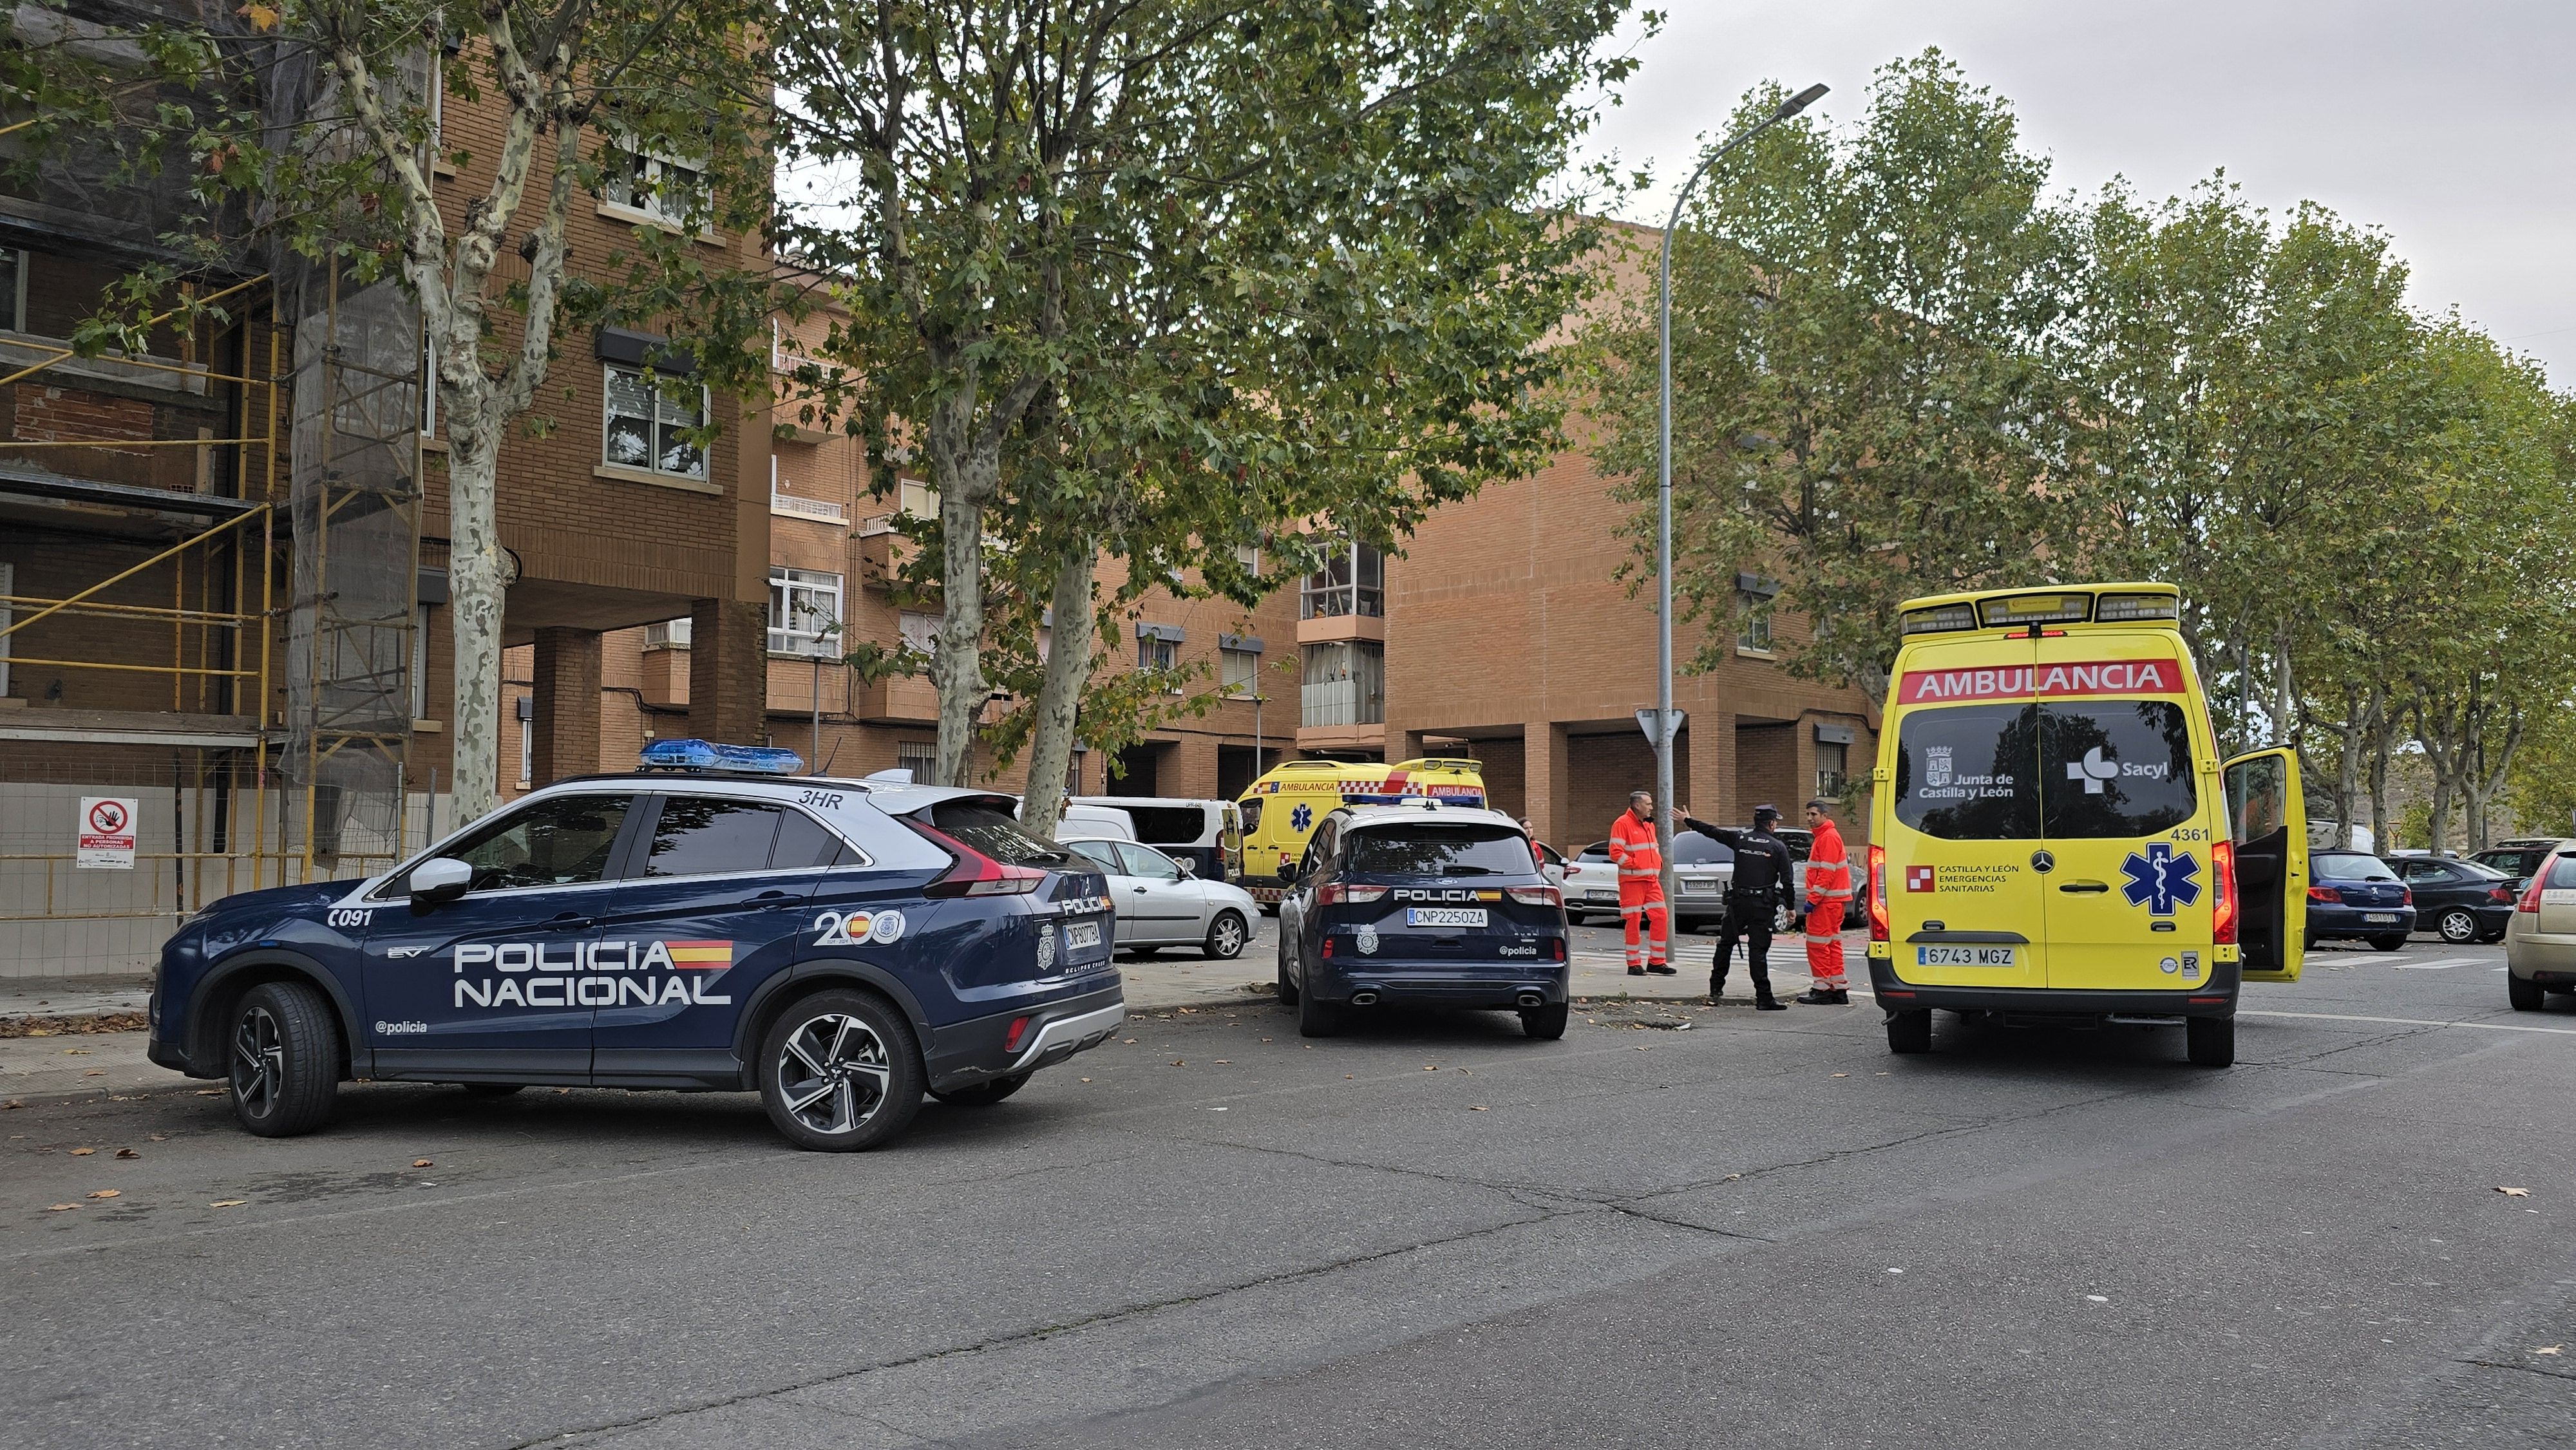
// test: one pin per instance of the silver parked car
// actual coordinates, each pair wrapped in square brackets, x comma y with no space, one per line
[1162,902]
[1701,869]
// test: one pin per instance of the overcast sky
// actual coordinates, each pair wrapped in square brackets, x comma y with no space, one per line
[2449,123]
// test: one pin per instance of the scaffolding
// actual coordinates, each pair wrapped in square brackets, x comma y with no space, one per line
[289,643]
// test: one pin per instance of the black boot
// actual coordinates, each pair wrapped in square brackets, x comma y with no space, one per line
[1818,997]
[1763,1001]
[1717,986]
[1662,969]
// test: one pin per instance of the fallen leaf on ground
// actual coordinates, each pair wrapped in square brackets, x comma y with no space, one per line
[12,1103]
[228,1203]
[1223,1062]
[421,1163]
[83,1152]
[75,1052]
[2549,1349]
[2513,1192]
[127,1153]
[1427,1067]
[1475,1110]
[94,1072]
[1180,1062]
[160,1137]
[59,1207]
[108,1193]
[1131,1041]
[1842,1074]
[1086,1079]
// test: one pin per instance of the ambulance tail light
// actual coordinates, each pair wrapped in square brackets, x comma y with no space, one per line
[1534,895]
[1877,890]
[1336,893]
[975,873]
[2222,916]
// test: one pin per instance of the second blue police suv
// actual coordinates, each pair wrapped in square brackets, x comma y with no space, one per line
[1413,902]
[839,947]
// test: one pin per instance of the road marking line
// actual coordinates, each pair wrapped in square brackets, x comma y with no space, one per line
[2440,964]
[2409,1021]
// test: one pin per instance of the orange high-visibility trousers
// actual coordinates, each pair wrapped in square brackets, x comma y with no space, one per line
[1643,897]
[1825,944]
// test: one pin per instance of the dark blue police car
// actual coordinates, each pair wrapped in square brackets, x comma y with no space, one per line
[1412,901]
[838,946]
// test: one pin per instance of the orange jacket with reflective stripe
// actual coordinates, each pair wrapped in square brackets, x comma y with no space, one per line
[1828,865]
[1632,847]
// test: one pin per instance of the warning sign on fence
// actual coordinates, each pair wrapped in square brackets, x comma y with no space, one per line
[107,833]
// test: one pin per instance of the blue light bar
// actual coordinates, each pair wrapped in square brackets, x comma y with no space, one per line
[707,755]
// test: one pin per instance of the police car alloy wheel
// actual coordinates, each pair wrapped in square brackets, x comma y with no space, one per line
[840,1071]
[1226,937]
[284,1051]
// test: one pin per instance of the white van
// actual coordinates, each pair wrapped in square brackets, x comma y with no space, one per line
[1206,833]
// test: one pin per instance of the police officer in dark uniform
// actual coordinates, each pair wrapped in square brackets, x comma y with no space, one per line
[1763,879]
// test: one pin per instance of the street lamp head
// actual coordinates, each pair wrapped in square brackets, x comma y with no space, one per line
[1801,101]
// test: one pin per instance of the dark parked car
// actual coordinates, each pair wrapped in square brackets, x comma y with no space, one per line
[2518,859]
[1426,905]
[2459,901]
[2352,895]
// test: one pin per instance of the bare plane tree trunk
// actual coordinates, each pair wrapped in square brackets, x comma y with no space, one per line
[1068,668]
[474,613]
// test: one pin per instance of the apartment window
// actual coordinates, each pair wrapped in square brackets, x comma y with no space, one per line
[920,632]
[804,612]
[428,385]
[13,290]
[1156,653]
[921,757]
[916,498]
[665,189]
[419,654]
[1240,671]
[669,634]
[1249,556]
[1352,581]
[1753,633]
[648,423]
[1832,762]
[1344,684]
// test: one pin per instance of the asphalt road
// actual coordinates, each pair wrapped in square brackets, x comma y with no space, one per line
[1758,1231]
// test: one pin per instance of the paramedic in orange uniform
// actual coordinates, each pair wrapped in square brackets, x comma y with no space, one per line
[1829,891]
[1641,882]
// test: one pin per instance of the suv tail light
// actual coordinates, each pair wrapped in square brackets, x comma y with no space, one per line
[1534,895]
[975,873]
[2222,914]
[2324,893]
[1876,888]
[1335,893]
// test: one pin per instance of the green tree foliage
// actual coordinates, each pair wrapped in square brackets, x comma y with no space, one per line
[1155,277]
[1901,368]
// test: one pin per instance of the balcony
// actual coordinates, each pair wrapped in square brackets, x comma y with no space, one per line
[896,700]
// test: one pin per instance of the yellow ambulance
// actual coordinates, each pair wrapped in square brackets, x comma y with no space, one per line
[1282,809]
[2053,836]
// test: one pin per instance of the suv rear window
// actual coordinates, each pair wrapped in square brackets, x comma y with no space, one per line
[1169,825]
[1690,848]
[993,832]
[1404,848]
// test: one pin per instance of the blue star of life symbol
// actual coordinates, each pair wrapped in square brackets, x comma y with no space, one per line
[1302,817]
[2159,878]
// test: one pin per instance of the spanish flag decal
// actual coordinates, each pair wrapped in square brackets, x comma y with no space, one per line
[700,956]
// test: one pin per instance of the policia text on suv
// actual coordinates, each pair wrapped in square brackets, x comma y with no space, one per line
[2053,835]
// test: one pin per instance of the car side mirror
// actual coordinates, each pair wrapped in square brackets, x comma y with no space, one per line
[440,880]
[1188,866]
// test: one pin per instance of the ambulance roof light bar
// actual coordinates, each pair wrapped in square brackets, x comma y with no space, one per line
[2020,611]
[2115,608]
[692,756]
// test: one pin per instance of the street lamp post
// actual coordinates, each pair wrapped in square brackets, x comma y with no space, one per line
[1663,732]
